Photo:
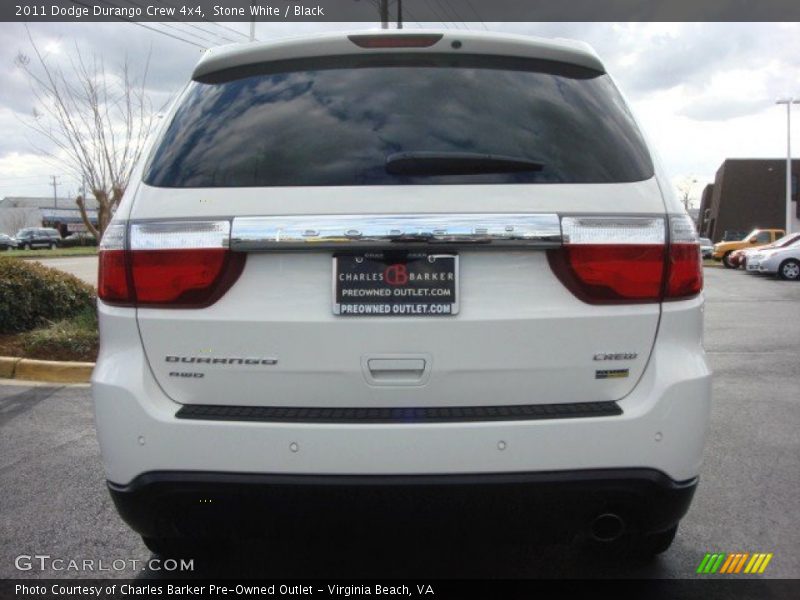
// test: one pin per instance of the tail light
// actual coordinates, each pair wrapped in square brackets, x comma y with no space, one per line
[685,261]
[113,283]
[628,260]
[181,264]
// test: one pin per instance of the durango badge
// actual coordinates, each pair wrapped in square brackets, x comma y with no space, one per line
[211,360]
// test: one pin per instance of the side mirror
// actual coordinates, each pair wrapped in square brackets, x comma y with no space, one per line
[754,241]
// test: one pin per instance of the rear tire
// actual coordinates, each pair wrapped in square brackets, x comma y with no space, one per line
[726,260]
[789,270]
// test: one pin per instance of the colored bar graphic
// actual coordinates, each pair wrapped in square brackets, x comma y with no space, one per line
[717,563]
[730,564]
[703,563]
[764,564]
[741,562]
[757,564]
[751,565]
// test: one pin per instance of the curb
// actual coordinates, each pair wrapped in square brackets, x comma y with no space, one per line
[52,371]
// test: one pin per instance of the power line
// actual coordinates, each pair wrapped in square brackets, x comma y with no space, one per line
[187,24]
[192,36]
[175,37]
[244,35]
[472,8]
[406,11]
[443,14]
[453,11]
[196,36]
[121,18]
[231,29]
[219,35]
[436,14]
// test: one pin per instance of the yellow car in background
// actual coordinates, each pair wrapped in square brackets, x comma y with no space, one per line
[754,239]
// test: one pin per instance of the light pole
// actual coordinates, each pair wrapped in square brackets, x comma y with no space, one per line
[788,102]
[54,183]
[383,9]
[252,22]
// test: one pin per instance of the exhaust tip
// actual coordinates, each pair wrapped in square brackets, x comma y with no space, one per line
[607,527]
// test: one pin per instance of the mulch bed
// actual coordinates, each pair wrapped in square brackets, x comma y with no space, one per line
[12,345]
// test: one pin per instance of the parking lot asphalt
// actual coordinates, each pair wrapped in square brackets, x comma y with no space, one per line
[54,500]
[83,267]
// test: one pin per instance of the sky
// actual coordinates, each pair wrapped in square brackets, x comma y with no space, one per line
[702,92]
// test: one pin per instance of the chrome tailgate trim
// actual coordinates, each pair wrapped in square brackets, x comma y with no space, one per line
[307,232]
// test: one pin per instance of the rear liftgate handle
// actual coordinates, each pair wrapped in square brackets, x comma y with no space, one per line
[396,369]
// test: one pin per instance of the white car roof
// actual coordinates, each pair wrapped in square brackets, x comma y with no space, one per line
[332,44]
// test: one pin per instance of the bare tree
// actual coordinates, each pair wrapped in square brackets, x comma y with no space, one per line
[97,123]
[685,186]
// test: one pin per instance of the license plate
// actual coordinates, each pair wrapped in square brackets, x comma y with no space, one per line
[384,285]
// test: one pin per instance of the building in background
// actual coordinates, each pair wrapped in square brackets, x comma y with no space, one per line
[705,204]
[747,193]
[17,212]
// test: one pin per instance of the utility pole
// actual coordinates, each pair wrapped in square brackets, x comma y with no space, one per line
[54,183]
[788,102]
[383,7]
[399,14]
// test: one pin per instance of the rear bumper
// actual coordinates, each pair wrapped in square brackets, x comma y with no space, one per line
[197,504]
[662,425]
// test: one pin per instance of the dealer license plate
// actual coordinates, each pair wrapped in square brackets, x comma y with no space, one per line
[390,285]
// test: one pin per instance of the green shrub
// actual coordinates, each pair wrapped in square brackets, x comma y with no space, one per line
[32,295]
[68,339]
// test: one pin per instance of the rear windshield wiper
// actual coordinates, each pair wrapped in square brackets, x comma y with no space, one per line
[457,163]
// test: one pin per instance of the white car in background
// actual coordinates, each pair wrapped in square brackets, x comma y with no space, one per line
[754,256]
[783,262]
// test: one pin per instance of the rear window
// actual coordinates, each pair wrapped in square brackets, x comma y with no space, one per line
[335,121]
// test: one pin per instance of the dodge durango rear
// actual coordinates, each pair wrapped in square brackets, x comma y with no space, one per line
[363,275]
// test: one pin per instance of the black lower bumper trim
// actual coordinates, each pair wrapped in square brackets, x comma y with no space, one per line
[169,504]
[428,414]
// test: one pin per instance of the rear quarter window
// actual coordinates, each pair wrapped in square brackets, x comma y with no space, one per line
[334,122]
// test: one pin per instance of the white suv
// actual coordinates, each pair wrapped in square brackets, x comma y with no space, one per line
[398,277]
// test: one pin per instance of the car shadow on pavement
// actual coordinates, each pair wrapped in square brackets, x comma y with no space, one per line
[412,557]
[14,405]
